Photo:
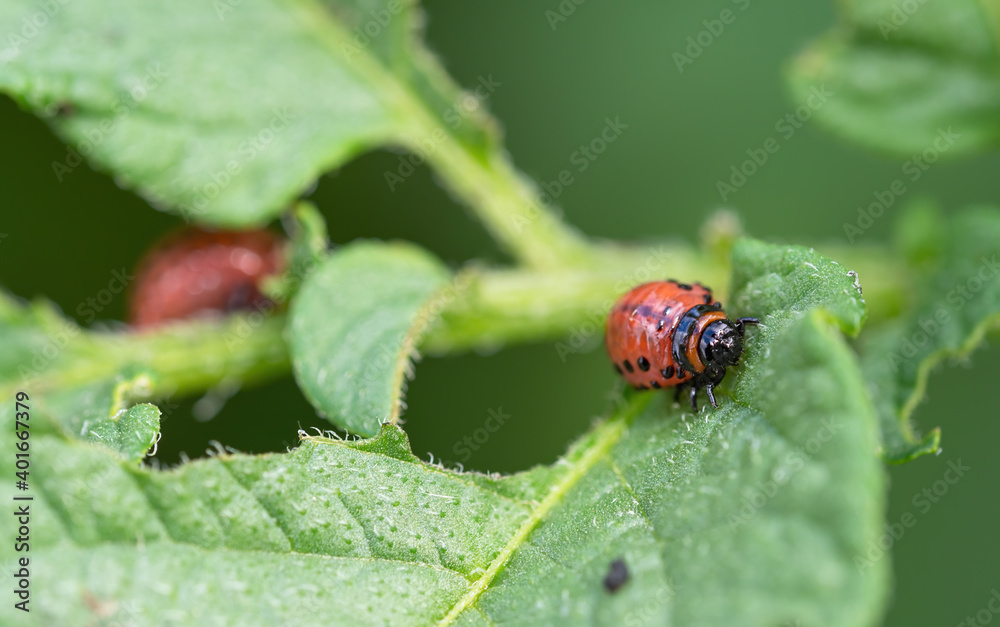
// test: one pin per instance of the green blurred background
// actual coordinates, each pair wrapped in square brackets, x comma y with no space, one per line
[657,180]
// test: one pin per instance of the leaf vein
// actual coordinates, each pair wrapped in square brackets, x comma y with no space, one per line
[605,436]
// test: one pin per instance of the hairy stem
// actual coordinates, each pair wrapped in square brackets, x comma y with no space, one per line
[480,175]
[500,307]
[491,308]
[181,359]
[510,207]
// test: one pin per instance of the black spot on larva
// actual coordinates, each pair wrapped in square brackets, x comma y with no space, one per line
[708,299]
[666,312]
[654,384]
[659,325]
[667,372]
[617,369]
[643,364]
[680,373]
[717,304]
[617,575]
[684,286]
[628,366]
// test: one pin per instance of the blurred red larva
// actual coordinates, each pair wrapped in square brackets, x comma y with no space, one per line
[195,272]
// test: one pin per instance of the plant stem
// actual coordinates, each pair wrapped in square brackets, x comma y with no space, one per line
[492,308]
[510,207]
[501,307]
[181,359]
[478,172]
[495,308]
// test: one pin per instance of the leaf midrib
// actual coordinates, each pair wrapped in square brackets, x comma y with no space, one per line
[606,436]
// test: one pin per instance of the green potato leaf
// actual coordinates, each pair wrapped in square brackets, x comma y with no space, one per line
[909,76]
[758,513]
[354,328]
[226,111]
[954,310]
[93,382]
[104,413]
[788,280]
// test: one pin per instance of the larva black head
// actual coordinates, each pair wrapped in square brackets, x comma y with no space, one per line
[721,343]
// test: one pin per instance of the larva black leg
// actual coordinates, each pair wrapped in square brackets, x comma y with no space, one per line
[677,394]
[711,397]
[742,322]
[694,398]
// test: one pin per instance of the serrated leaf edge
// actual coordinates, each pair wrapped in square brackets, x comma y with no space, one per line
[931,443]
